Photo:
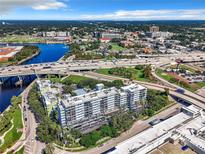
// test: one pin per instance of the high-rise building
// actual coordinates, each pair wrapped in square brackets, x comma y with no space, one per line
[91,109]
[78,110]
[135,94]
[88,111]
[154,29]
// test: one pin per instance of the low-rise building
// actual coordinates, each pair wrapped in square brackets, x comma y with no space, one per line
[49,94]
[187,125]
[159,34]
[110,35]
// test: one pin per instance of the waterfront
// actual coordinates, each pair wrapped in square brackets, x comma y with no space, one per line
[49,53]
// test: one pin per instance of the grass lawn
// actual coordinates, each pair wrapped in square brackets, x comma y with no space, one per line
[187,68]
[163,75]
[138,74]
[191,87]
[201,84]
[75,78]
[12,136]
[20,151]
[117,47]
[103,71]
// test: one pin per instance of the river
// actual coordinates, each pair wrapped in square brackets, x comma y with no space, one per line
[49,53]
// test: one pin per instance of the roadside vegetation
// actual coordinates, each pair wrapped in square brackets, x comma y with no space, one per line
[21,151]
[48,130]
[172,79]
[117,47]
[14,116]
[140,73]
[156,100]
[82,81]
[49,149]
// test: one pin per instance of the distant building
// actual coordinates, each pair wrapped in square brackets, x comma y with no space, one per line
[105,40]
[110,35]
[96,34]
[62,34]
[127,43]
[159,34]
[56,34]
[49,34]
[154,29]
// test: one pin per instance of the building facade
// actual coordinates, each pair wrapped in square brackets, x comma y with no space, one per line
[88,111]
[154,29]
[110,35]
[91,109]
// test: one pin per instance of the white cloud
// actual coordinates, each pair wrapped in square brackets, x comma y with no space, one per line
[49,5]
[191,14]
[8,5]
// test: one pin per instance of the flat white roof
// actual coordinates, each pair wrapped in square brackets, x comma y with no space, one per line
[69,101]
[133,87]
[186,130]
[149,135]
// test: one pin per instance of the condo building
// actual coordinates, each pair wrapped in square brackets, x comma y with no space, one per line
[90,110]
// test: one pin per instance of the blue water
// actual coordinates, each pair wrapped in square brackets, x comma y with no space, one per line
[49,53]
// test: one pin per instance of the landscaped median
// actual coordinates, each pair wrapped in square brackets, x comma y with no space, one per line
[172,78]
[15,130]
[140,72]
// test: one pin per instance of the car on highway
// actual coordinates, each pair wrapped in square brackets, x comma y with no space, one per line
[180,90]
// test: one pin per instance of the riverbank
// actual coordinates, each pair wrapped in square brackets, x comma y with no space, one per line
[48,53]
[15,131]
[28,58]
[16,62]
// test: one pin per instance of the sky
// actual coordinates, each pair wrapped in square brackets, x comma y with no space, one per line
[102,9]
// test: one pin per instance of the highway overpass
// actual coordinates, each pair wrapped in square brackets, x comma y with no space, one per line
[64,67]
[188,96]
[85,65]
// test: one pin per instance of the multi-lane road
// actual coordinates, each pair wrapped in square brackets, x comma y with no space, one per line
[64,67]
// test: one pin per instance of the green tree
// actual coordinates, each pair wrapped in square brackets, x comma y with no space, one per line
[49,149]
[117,83]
